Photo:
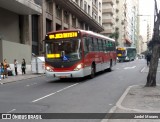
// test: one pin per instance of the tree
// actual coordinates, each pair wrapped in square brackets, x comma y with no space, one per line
[155,47]
[115,35]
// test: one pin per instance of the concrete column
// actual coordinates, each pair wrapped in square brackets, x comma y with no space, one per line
[44,17]
[26,32]
[54,16]
[70,21]
[30,30]
[62,21]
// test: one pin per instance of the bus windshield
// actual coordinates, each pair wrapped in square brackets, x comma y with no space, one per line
[66,50]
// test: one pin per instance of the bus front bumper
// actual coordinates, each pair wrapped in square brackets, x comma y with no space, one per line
[71,74]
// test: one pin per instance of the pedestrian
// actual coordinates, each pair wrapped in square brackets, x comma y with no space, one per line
[2,70]
[5,66]
[15,66]
[23,66]
[148,57]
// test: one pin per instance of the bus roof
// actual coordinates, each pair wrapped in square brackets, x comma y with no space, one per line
[84,31]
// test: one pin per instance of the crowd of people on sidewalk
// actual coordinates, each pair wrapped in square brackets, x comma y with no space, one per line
[5,69]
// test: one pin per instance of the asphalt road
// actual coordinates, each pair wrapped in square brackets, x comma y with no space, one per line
[49,95]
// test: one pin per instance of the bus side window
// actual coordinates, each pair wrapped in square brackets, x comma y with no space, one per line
[91,46]
[104,45]
[96,44]
[100,45]
[107,46]
[114,46]
[86,45]
[111,46]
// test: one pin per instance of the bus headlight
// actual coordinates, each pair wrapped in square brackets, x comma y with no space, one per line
[127,58]
[49,69]
[78,67]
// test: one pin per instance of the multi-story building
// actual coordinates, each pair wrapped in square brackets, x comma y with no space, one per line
[108,20]
[120,17]
[24,24]
[17,28]
[130,23]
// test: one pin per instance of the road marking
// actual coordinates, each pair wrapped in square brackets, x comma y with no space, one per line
[31,84]
[130,67]
[11,110]
[143,69]
[54,93]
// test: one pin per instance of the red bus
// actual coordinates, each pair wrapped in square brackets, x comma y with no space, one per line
[78,53]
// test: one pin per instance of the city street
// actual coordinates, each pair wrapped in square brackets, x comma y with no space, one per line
[50,95]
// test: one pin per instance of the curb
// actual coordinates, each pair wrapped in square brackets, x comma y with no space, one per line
[6,82]
[119,105]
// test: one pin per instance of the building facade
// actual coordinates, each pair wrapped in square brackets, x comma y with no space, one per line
[120,18]
[24,24]
[16,28]
[108,13]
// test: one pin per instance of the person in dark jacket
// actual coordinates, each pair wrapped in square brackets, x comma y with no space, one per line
[148,57]
[23,66]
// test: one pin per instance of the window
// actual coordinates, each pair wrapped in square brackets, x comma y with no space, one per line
[85,6]
[66,17]
[91,45]
[48,25]
[49,7]
[81,4]
[94,15]
[77,1]
[99,6]
[100,45]
[100,20]
[96,48]
[73,21]
[58,12]
[94,2]
[89,11]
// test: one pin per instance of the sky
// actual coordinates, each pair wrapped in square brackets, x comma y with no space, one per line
[146,10]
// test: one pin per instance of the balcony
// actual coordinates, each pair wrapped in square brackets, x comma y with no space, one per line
[108,1]
[109,10]
[108,21]
[23,7]
[107,31]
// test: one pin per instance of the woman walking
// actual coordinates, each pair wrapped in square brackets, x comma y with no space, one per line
[15,66]
[23,66]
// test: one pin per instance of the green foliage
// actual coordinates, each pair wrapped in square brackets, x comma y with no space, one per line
[115,35]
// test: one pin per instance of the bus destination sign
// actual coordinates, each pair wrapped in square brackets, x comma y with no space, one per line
[63,35]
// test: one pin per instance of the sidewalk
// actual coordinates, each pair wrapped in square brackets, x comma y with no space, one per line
[19,77]
[137,100]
